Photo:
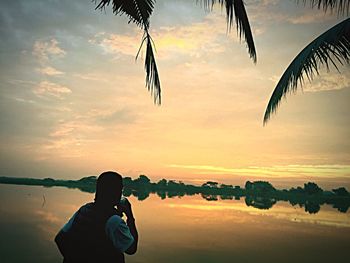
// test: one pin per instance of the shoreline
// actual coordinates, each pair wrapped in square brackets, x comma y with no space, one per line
[259,194]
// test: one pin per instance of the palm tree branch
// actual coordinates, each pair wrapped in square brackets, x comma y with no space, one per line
[141,45]
[342,6]
[243,26]
[138,11]
[236,8]
[152,76]
[332,46]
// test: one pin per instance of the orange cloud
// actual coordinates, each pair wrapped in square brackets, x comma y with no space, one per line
[45,49]
[50,71]
[193,39]
[46,88]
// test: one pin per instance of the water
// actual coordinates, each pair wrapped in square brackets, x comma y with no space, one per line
[187,229]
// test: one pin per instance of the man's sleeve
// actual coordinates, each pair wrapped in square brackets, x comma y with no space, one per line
[62,238]
[119,233]
[69,224]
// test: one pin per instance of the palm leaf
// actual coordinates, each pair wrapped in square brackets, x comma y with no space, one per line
[236,8]
[243,27]
[333,47]
[152,77]
[138,11]
[342,6]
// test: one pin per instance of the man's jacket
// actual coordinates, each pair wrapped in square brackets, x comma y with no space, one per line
[86,240]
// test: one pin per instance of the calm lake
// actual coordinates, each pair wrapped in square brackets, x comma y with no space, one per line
[186,229]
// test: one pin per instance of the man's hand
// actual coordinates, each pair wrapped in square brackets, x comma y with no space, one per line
[125,208]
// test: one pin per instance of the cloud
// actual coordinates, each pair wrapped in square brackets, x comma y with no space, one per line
[122,116]
[24,100]
[195,39]
[68,139]
[329,81]
[71,137]
[309,18]
[269,2]
[91,76]
[43,50]
[45,88]
[263,14]
[272,171]
[323,82]
[50,71]
[64,129]
[120,44]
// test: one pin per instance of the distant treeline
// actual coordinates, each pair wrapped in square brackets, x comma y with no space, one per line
[258,194]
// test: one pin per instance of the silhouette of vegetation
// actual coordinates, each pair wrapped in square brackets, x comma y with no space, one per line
[312,189]
[259,187]
[331,47]
[341,191]
[259,194]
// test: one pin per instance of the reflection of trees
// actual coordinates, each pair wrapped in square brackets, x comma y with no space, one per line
[161,194]
[226,197]
[312,207]
[341,206]
[260,202]
[341,191]
[209,197]
[260,194]
[127,191]
[141,195]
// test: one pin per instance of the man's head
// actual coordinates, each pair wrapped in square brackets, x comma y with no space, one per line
[109,187]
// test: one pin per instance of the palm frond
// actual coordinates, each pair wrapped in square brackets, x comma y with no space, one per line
[235,10]
[243,27]
[342,6]
[152,76]
[138,11]
[333,47]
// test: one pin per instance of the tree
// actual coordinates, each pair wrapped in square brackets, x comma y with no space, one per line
[259,186]
[248,186]
[143,179]
[127,181]
[341,191]
[162,183]
[312,188]
[89,179]
[210,184]
[226,186]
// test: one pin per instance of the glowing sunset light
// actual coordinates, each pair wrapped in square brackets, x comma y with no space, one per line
[73,101]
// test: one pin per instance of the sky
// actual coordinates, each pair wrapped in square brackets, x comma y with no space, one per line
[73,100]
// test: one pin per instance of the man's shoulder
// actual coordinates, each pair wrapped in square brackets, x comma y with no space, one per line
[86,206]
[114,220]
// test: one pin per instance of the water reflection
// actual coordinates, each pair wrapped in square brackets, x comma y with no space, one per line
[186,229]
[311,206]
[259,194]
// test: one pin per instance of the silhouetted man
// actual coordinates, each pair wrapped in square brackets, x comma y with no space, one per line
[96,232]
